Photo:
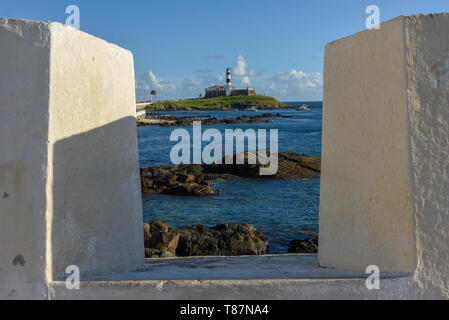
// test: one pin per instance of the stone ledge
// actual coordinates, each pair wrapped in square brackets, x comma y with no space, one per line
[295,266]
[261,277]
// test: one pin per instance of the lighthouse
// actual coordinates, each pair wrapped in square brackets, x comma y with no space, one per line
[227,89]
[228,82]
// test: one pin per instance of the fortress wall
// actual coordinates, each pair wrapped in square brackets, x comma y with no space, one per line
[366,210]
[96,206]
[427,70]
[24,83]
[385,184]
[243,92]
[69,172]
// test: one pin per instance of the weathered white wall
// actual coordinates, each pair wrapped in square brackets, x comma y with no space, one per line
[427,71]
[366,199]
[69,171]
[282,289]
[96,217]
[24,80]
[385,181]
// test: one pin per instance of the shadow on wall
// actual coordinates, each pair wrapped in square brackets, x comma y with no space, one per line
[97,214]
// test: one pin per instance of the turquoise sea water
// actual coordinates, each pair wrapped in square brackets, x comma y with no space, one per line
[282,210]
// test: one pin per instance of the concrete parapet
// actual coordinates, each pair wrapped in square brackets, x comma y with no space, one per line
[385,151]
[69,172]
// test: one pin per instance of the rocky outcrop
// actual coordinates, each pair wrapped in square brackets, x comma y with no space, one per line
[303,246]
[160,239]
[173,121]
[175,181]
[195,179]
[225,239]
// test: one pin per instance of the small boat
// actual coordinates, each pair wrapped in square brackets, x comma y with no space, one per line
[303,108]
[251,109]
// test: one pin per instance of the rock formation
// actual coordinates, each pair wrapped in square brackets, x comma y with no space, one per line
[167,121]
[225,239]
[303,246]
[195,179]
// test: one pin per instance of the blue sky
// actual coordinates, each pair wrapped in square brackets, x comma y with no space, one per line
[182,46]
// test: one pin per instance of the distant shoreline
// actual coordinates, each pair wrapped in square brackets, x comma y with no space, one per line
[167,121]
[231,103]
[227,109]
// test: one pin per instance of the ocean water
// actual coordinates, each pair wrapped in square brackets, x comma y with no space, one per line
[282,210]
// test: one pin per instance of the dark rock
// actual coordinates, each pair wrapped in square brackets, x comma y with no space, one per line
[185,178]
[160,236]
[304,246]
[191,189]
[168,121]
[194,179]
[293,166]
[179,180]
[154,253]
[225,239]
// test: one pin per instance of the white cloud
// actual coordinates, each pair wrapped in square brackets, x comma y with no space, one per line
[242,72]
[191,83]
[294,85]
[220,78]
[240,67]
[151,81]
[174,87]
[148,82]
[299,79]
[286,86]
[245,81]
[154,81]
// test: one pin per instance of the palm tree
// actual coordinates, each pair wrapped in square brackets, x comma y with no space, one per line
[153,95]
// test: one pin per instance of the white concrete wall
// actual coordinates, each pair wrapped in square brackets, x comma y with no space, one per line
[96,200]
[427,72]
[69,171]
[24,83]
[366,198]
[385,179]
[282,289]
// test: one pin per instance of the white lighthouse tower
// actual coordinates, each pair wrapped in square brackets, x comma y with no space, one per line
[228,82]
